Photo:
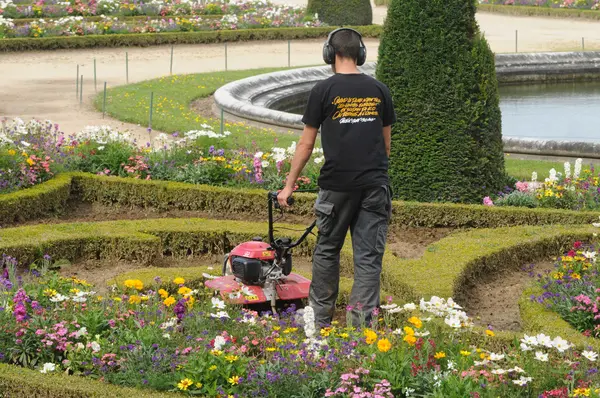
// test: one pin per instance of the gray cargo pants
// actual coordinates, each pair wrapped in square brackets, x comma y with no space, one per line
[367,213]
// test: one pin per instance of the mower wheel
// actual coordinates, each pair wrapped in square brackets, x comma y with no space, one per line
[225,270]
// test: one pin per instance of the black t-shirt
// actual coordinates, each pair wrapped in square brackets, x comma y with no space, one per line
[351,110]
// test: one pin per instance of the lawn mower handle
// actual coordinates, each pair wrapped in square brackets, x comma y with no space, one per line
[273,202]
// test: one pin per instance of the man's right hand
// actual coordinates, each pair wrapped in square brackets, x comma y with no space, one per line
[283,197]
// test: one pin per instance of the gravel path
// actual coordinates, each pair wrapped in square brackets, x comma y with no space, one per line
[42,84]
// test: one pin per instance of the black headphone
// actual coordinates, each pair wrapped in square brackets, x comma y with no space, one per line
[329,51]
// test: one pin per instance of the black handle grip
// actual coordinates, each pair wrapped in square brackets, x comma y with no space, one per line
[273,197]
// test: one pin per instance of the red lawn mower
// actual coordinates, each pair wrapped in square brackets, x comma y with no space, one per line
[257,272]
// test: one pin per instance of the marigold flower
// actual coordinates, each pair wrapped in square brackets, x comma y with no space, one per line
[184,384]
[415,321]
[169,301]
[410,339]
[134,284]
[179,281]
[440,355]
[163,293]
[135,299]
[384,345]
[199,385]
[490,333]
[184,290]
[409,331]
[370,336]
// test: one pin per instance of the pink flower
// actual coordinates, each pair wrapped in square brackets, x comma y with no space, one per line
[522,186]
[487,201]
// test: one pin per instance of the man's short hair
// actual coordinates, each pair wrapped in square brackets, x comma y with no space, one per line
[346,44]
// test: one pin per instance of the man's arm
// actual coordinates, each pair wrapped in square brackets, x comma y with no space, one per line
[303,153]
[387,137]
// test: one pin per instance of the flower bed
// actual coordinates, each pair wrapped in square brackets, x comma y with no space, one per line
[171,336]
[574,4]
[31,153]
[575,190]
[573,289]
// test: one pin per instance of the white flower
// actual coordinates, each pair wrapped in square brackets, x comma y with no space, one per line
[95,346]
[451,365]
[169,324]
[235,295]
[319,160]
[525,347]
[208,276]
[388,307]
[481,363]
[522,381]
[218,303]
[496,357]
[48,367]
[530,340]
[398,332]
[424,333]
[81,332]
[101,147]
[80,346]
[292,148]
[590,255]
[265,164]
[516,369]
[410,307]
[79,299]
[590,355]
[534,177]
[597,225]
[258,155]
[219,342]
[58,298]
[166,336]
[220,314]
[567,170]
[544,340]
[309,322]
[561,344]
[540,356]
[453,322]
[498,371]
[577,171]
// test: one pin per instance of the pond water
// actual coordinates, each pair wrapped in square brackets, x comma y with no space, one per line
[562,111]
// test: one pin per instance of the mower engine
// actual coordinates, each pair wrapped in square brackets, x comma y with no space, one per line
[254,262]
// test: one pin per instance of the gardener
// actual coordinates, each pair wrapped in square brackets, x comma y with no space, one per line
[355,113]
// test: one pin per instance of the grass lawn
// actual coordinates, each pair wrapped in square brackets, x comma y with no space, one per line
[172,113]
[173,96]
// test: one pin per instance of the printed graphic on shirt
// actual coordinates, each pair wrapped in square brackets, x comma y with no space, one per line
[355,109]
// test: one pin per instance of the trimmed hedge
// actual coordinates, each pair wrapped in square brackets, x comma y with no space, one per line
[18,382]
[163,195]
[342,13]
[539,11]
[155,39]
[447,144]
[538,319]
[43,200]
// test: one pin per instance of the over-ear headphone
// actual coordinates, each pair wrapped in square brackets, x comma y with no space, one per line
[329,51]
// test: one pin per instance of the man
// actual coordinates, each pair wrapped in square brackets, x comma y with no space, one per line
[355,113]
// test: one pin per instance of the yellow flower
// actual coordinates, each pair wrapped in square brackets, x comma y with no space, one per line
[344,335]
[12,152]
[190,302]
[163,293]
[271,349]
[99,298]
[135,299]
[325,332]
[490,333]
[231,358]
[410,339]
[134,284]
[184,290]
[198,385]
[30,162]
[234,380]
[576,275]
[74,291]
[384,345]
[415,321]
[581,392]
[465,353]
[169,301]
[216,353]
[117,299]
[290,330]
[50,292]
[276,328]
[439,355]
[409,331]
[213,367]
[370,336]
[179,281]
[184,384]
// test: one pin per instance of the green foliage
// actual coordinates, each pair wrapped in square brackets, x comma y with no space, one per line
[342,13]
[447,144]
[517,198]
[540,11]
[155,39]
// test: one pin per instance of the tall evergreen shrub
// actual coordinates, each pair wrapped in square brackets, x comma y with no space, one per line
[447,144]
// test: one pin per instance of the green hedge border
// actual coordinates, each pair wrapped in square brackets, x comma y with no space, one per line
[50,198]
[539,11]
[155,39]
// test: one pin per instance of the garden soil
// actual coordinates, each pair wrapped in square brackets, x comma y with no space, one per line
[42,85]
[494,301]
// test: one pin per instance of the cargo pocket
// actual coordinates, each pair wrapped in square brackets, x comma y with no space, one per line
[382,232]
[325,216]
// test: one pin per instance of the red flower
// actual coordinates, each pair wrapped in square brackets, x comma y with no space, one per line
[577,245]
[571,253]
